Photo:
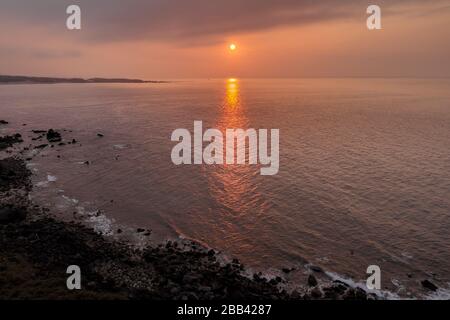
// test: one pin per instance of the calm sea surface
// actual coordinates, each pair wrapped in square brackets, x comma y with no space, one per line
[364,169]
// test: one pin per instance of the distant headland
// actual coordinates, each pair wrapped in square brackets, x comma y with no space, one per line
[6,79]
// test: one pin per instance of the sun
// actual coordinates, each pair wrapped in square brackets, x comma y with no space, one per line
[232,47]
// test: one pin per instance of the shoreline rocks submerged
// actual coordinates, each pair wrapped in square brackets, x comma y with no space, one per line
[36,249]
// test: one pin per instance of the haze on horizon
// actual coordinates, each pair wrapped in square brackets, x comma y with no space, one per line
[162,39]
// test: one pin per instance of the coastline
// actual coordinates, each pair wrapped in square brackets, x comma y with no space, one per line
[36,248]
[14,80]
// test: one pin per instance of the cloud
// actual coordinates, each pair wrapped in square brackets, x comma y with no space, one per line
[39,53]
[178,38]
[52,54]
[188,21]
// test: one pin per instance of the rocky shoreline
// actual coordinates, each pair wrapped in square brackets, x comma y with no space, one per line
[36,249]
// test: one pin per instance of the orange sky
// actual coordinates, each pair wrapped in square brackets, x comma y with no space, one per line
[282,38]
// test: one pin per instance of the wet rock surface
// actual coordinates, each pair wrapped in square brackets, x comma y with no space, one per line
[429,285]
[14,174]
[9,141]
[312,281]
[53,136]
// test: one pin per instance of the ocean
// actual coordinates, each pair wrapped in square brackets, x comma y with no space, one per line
[364,174]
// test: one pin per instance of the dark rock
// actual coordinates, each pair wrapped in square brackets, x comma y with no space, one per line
[14,174]
[100,135]
[330,294]
[3,122]
[316,293]
[429,285]
[341,283]
[41,146]
[37,138]
[53,136]
[295,295]
[9,141]
[312,281]
[191,278]
[256,277]
[340,287]
[316,269]
[360,294]
[352,294]
[10,214]
[140,230]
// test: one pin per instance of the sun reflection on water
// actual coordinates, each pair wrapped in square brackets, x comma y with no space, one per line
[233,187]
[232,94]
